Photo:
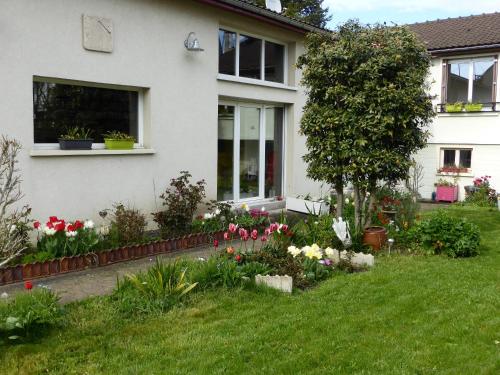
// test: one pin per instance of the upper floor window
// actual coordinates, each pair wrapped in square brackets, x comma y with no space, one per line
[470,81]
[58,107]
[246,56]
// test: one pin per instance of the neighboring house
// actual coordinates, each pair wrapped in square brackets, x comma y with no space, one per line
[228,114]
[464,70]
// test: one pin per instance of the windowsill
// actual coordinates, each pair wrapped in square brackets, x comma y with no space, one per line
[450,174]
[55,152]
[467,114]
[256,82]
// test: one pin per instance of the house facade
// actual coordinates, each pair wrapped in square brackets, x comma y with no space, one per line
[465,134]
[206,86]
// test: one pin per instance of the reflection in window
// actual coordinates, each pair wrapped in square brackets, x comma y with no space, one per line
[465,158]
[250,57]
[458,82]
[449,158]
[225,153]
[461,158]
[227,52]
[58,107]
[249,152]
[274,152]
[483,81]
[274,54]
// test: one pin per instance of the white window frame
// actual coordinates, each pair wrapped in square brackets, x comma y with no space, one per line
[262,148]
[96,146]
[457,155]
[262,59]
[470,61]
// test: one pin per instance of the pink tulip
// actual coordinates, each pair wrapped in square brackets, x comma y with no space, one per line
[227,236]
[254,234]
[232,228]
[242,232]
[284,228]
[263,238]
[267,232]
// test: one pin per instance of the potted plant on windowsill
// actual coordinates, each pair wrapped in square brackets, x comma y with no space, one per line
[473,107]
[76,138]
[116,140]
[454,107]
[446,191]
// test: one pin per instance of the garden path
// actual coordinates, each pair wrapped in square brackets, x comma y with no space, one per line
[102,280]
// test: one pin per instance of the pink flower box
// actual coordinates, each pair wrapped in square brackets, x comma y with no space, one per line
[447,193]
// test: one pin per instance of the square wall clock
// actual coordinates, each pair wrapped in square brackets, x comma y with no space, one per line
[97,34]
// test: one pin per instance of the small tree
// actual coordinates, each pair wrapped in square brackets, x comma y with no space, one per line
[368,107]
[13,221]
[310,11]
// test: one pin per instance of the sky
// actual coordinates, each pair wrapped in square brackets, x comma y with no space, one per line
[409,11]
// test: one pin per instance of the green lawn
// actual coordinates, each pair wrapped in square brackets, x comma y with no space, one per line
[409,315]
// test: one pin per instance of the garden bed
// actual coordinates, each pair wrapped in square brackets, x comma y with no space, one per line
[22,272]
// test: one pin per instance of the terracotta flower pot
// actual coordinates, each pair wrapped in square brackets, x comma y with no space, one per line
[103,258]
[18,273]
[55,266]
[46,268]
[36,271]
[375,237]
[80,262]
[27,271]
[168,246]
[91,260]
[178,244]
[64,264]
[8,275]
[72,264]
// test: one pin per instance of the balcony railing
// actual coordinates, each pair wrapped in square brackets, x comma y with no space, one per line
[468,107]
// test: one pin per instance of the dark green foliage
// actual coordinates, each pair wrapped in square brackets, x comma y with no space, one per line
[310,11]
[368,108]
[442,233]
[181,200]
[28,313]
[216,272]
[128,226]
[252,269]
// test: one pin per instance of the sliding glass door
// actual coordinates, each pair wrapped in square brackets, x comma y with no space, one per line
[250,152]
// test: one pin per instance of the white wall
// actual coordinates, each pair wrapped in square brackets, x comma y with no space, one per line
[44,38]
[477,131]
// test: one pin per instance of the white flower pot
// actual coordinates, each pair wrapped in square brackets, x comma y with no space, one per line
[307,206]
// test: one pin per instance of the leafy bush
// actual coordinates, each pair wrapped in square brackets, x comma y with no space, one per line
[252,269]
[216,272]
[442,233]
[181,200]
[159,289]
[128,225]
[316,229]
[28,312]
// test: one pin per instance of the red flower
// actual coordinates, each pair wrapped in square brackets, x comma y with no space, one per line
[263,239]
[70,228]
[232,228]
[28,285]
[36,224]
[78,225]
[227,236]
[216,243]
[53,219]
[254,234]
[238,258]
[284,228]
[60,226]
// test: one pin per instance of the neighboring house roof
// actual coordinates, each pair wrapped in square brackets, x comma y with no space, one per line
[249,8]
[462,33]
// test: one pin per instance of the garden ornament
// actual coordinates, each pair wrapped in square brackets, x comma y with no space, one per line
[341,229]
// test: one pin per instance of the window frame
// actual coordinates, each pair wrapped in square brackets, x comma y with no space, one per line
[457,156]
[262,59]
[470,88]
[262,148]
[95,146]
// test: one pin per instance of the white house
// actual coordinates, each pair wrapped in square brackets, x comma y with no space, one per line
[464,69]
[207,86]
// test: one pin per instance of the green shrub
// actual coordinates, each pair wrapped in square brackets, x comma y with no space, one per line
[216,272]
[442,233]
[316,229]
[159,289]
[28,313]
[252,269]
[128,226]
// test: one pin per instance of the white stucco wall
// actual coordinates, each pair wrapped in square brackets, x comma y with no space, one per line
[44,38]
[477,131]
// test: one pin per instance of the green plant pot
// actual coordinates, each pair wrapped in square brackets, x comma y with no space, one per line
[118,144]
[473,107]
[454,108]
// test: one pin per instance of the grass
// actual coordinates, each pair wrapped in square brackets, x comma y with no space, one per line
[409,315]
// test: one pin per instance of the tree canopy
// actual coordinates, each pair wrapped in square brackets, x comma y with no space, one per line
[368,106]
[310,11]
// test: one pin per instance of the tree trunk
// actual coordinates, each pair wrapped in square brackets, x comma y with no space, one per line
[357,209]
[340,200]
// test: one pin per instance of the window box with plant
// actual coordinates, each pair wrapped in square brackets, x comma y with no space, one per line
[446,191]
[473,107]
[454,108]
[118,141]
[76,138]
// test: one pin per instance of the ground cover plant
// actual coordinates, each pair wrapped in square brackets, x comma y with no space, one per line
[410,314]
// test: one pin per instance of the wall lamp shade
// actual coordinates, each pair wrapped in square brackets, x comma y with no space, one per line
[192,43]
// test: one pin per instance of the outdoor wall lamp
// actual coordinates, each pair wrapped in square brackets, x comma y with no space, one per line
[192,43]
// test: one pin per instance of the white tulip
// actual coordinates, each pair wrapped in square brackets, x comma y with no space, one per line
[88,224]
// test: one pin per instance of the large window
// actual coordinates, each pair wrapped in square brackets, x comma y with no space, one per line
[246,56]
[250,152]
[456,158]
[60,106]
[471,81]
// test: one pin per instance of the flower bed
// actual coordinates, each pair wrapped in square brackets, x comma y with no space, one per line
[20,272]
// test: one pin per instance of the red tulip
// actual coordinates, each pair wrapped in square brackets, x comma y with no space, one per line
[254,234]
[238,258]
[227,237]
[53,219]
[232,228]
[36,224]
[28,285]
[216,243]
[263,239]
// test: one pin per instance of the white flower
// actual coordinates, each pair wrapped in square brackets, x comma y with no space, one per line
[49,231]
[263,209]
[316,223]
[293,250]
[207,216]
[347,201]
[4,295]
[313,251]
[71,233]
[329,251]
[13,228]
[88,224]
[104,230]
[217,212]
